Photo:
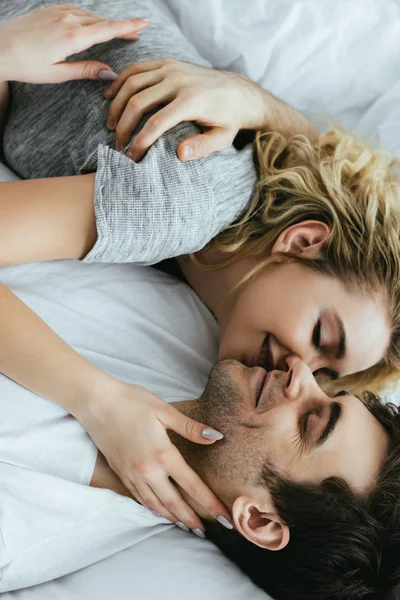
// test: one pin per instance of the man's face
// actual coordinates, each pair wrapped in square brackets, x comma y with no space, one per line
[285,421]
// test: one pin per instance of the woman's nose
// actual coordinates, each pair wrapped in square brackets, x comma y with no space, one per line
[314,362]
[312,359]
[290,361]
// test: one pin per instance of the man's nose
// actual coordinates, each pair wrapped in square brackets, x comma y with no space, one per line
[302,382]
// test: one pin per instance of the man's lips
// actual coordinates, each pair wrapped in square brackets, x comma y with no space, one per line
[261,382]
[257,380]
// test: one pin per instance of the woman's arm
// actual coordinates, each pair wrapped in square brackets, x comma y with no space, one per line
[34,356]
[127,423]
[46,219]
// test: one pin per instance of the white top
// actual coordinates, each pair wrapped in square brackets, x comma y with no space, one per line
[155,332]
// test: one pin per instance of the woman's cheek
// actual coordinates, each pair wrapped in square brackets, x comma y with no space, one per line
[295,331]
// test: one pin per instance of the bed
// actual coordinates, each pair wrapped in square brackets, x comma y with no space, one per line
[337,61]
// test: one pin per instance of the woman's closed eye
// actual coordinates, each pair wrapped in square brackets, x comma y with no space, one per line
[326,373]
[320,342]
[316,335]
[323,337]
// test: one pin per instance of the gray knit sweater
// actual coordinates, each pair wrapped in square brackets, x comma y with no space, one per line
[147,211]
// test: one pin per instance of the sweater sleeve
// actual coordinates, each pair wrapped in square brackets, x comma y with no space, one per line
[145,212]
[162,207]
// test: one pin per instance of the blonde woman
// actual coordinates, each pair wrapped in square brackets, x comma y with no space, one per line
[309,268]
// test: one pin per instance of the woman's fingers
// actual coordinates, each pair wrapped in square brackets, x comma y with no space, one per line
[131,488]
[193,485]
[171,501]
[42,39]
[74,9]
[189,428]
[132,86]
[103,31]
[82,69]
[85,18]
[150,500]
[137,106]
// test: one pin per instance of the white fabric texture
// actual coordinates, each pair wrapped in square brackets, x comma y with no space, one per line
[144,327]
[330,59]
[335,58]
[51,526]
[140,325]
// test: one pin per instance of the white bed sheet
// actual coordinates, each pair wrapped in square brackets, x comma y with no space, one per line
[336,58]
[332,59]
[74,298]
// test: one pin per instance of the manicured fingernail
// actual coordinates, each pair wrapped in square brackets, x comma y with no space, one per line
[130,155]
[145,19]
[224,521]
[182,526]
[110,123]
[212,434]
[107,92]
[187,152]
[118,146]
[199,533]
[106,75]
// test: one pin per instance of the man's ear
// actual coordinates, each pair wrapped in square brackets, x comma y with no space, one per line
[260,525]
[304,239]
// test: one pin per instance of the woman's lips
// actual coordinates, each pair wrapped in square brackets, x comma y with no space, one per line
[262,365]
[265,358]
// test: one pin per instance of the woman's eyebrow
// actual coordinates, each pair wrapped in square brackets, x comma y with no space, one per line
[341,349]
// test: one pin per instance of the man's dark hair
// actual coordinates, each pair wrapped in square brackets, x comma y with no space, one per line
[342,546]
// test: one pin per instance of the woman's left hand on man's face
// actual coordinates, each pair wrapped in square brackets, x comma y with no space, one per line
[220,102]
[34,46]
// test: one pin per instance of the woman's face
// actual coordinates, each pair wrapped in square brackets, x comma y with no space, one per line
[290,310]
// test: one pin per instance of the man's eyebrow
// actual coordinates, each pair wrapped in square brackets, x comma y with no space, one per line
[335,414]
[341,349]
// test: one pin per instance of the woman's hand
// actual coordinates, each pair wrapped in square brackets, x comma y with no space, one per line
[219,101]
[128,425]
[34,46]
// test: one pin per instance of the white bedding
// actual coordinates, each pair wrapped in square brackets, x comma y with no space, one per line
[331,57]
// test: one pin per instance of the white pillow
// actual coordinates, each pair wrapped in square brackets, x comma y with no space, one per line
[325,58]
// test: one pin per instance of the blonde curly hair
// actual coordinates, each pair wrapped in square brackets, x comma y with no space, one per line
[352,188]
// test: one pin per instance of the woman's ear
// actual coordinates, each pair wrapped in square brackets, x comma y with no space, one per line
[260,525]
[304,239]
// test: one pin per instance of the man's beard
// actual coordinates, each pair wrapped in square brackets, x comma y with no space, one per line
[219,404]
[220,407]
